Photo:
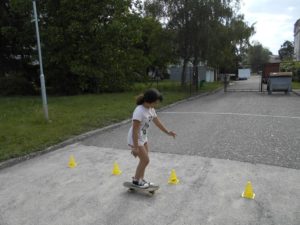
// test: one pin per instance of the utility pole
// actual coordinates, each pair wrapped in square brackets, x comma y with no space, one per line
[42,77]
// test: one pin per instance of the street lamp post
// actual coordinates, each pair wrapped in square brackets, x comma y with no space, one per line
[42,77]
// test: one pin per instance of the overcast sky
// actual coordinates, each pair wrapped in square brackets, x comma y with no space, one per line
[274,19]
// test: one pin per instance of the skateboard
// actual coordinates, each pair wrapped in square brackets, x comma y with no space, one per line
[151,189]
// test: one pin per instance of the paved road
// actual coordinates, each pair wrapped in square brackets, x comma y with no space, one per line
[252,84]
[223,141]
[248,127]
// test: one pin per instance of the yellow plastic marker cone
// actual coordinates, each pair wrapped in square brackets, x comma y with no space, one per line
[72,162]
[248,193]
[116,169]
[173,178]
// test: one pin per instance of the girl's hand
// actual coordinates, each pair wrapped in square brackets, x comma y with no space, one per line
[134,151]
[171,133]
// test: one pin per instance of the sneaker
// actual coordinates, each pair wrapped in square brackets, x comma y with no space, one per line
[150,183]
[140,183]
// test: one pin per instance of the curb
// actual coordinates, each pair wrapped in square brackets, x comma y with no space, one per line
[189,99]
[14,161]
[296,92]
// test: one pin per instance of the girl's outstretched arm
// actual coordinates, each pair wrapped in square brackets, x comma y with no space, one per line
[162,127]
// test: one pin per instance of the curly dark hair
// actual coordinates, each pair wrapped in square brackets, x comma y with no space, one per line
[150,96]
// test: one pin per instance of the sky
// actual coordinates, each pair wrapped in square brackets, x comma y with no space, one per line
[274,20]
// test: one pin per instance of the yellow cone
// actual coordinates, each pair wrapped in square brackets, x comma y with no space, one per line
[116,169]
[72,162]
[248,193]
[173,178]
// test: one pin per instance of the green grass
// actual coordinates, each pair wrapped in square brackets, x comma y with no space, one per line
[211,86]
[23,128]
[296,85]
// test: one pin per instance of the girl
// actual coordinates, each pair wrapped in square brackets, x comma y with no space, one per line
[143,114]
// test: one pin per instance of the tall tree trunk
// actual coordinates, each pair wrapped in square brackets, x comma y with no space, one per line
[183,72]
[195,73]
[185,44]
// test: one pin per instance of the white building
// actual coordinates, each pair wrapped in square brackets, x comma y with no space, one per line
[297,39]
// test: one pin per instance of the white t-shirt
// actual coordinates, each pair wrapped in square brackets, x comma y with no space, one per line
[145,116]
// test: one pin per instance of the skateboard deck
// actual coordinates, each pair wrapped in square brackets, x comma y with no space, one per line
[151,189]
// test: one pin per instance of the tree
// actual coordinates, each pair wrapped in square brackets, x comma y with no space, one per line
[206,30]
[89,45]
[104,45]
[286,52]
[157,45]
[230,44]
[220,35]
[178,16]
[100,45]
[257,56]
[17,39]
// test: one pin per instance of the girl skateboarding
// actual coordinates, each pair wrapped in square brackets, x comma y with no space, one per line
[143,114]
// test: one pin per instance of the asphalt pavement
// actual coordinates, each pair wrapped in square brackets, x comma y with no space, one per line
[224,140]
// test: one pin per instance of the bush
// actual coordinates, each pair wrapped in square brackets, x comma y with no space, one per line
[67,84]
[15,85]
[291,66]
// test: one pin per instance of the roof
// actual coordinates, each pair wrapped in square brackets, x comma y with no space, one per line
[274,59]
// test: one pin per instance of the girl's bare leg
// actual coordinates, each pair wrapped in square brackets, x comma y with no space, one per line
[144,161]
[146,147]
[147,150]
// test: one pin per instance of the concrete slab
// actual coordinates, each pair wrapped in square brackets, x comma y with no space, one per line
[44,190]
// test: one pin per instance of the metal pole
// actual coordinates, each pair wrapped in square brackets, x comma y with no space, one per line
[261,80]
[156,76]
[42,77]
[190,81]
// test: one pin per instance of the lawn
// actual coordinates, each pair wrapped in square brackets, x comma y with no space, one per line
[296,85]
[23,128]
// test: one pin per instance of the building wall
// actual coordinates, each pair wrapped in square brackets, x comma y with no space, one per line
[297,39]
[204,73]
[210,75]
